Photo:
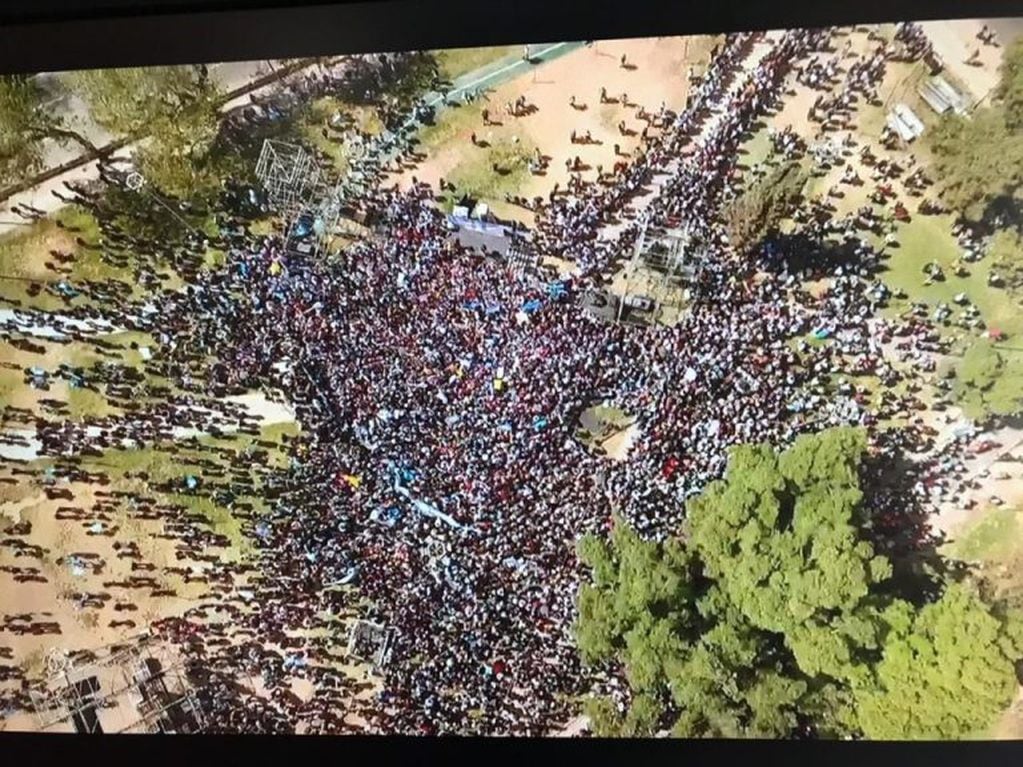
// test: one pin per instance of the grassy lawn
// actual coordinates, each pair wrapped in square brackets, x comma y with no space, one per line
[451,123]
[173,461]
[599,421]
[994,538]
[264,227]
[488,174]
[214,258]
[364,118]
[220,520]
[86,403]
[756,150]
[455,62]
[929,238]
[160,465]
[23,250]
[23,254]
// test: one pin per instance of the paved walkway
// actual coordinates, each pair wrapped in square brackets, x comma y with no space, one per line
[24,444]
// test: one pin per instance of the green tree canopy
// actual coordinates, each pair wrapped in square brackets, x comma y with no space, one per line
[781,535]
[774,614]
[174,108]
[987,385]
[762,206]
[1010,85]
[977,159]
[25,122]
[946,671]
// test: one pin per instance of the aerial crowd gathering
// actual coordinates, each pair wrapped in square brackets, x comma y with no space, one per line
[438,477]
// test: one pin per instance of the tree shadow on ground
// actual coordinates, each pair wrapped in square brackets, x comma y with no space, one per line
[803,252]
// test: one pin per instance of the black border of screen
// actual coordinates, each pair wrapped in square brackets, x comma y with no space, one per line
[237,31]
[45,38]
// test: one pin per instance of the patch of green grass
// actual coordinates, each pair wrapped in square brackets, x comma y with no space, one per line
[88,264]
[451,124]
[929,238]
[160,465]
[77,217]
[488,174]
[214,258]
[998,391]
[86,403]
[756,150]
[274,432]
[220,520]
[599,422]
[612,416]
[264,227]
[24,251]
[997,536]
[455,62]
[20,249]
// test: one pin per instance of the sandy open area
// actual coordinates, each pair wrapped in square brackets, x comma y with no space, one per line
[656,72]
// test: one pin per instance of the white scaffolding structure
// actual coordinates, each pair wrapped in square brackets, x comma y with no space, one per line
[371,642]
[297,188]
[290,175]
[665,259]
[140,687]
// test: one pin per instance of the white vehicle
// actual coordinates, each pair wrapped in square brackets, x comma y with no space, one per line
[642,303]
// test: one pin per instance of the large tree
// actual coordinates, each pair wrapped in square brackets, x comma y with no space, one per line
[1010,86]
[979,160]
[682,644]
[780,533]
[987,384]
[946,671]
[773,615]
[173,110]
[26,122]
[757,212]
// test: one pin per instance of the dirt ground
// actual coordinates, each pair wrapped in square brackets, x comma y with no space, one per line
[656,71]
[49,599]
[956,41]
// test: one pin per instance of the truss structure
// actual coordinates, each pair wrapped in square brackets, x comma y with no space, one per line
[298,188]
[521,259]
[290,176]
[140,687]
[369,641]
[664,257]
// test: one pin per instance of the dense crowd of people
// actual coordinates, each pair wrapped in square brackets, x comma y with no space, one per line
[439,468]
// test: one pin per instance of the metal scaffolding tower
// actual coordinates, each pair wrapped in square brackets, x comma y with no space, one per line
[372,642]
[290,176]
[664,258]
[140,687]
[299,191]
[521,259]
